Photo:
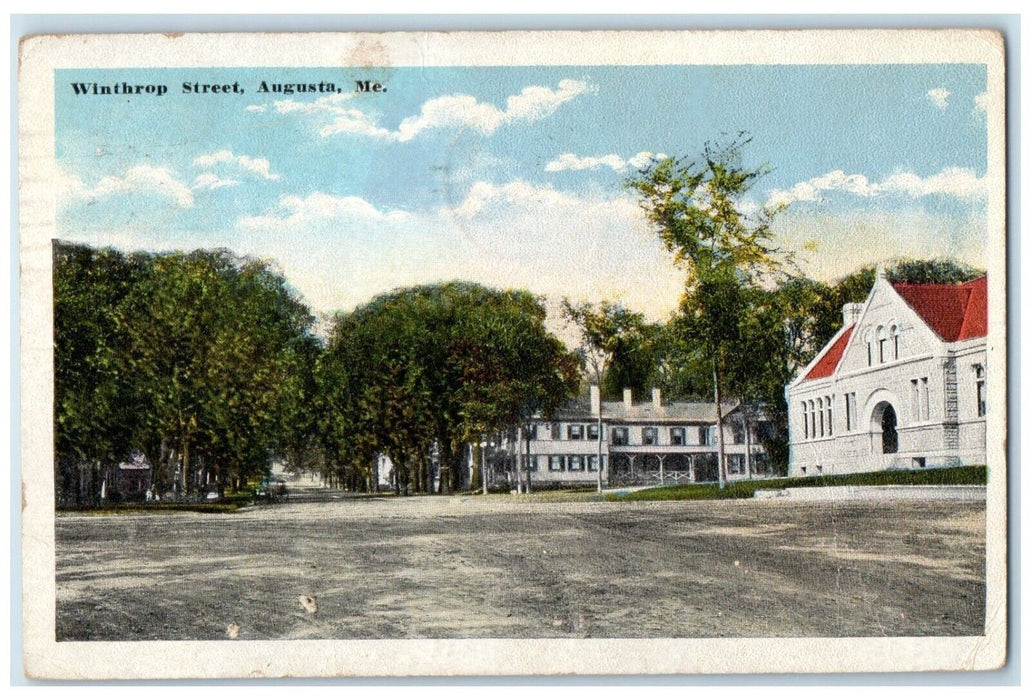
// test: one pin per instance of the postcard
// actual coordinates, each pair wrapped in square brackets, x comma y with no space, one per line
[512,353]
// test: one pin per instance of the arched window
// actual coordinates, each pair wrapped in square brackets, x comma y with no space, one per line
[819,410]
[805,418]
[830,417]
[869,349]
[895,341]
[882,345]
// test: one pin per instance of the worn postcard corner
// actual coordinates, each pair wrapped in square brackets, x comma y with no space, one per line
[512,353]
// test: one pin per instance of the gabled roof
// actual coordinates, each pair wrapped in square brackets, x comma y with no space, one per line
[645,412]
[953,311]
[828,363]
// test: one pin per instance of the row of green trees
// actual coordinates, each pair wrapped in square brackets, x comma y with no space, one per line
[194,360]
[207,364]
[419,374]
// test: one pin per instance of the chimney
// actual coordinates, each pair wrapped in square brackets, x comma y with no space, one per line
[595,400]
[850,314]
[656,399]
[628,400]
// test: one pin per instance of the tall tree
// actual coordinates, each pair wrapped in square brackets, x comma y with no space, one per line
[94,417]
[696,207]
[439,365]
[202,357]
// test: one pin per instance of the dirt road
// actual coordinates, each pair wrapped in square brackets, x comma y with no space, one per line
[503,566]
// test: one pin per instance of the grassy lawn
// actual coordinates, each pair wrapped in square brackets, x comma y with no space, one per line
[163,507]
[747,489]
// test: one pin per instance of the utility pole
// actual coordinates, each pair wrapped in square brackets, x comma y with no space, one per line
[596,407]
[483,464]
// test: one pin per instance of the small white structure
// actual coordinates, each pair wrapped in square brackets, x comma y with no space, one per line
[902,385]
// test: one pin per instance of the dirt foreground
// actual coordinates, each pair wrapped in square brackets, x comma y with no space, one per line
[506,566]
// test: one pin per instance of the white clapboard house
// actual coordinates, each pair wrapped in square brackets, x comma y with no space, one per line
[649,442]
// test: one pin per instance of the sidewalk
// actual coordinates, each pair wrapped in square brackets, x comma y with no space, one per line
[877,493]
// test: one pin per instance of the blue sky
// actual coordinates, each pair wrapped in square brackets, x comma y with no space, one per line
[513,176]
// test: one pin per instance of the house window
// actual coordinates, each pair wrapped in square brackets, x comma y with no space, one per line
[737,433]
[532,462]
[979,377]
[556,431]
[575,462]
[530,432]
[620,436]
[819,410]
[805,419]
[869,353]
[575,431]
[555,463]
[895,341]
[848,412]
[677,436]
[735,464]
[704,433]
[920,399]
[592,463]
[830,416]
[650,436]
[927,399]
[592,431]
[882,344]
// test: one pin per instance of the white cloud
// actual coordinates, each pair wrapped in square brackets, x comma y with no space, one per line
[955,182]
[939,96]
[319,208]
[139,179]
[532,104]
[211,181]
[571,161]
[981,102]
[483,193]
[341,251]
[845,240]
[644,158]
[259,109]
[255,166]
[329,104]
[355,121]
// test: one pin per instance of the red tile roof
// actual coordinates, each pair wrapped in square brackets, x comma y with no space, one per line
[829,362]
[953,311]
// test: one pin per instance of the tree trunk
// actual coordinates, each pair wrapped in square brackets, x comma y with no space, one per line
[476,459]
[529,485]
[721,457]
[748,448]
[184,481]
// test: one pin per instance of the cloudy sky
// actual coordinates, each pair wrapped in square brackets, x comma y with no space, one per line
[514,176]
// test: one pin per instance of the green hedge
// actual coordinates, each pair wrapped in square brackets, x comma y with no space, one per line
[746,489]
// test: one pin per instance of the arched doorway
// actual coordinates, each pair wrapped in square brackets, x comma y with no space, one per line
[885,421]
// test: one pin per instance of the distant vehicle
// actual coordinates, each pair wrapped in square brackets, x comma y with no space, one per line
[272,489]
[211,496]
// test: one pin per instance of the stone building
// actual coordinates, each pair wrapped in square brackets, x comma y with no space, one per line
[902,384]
